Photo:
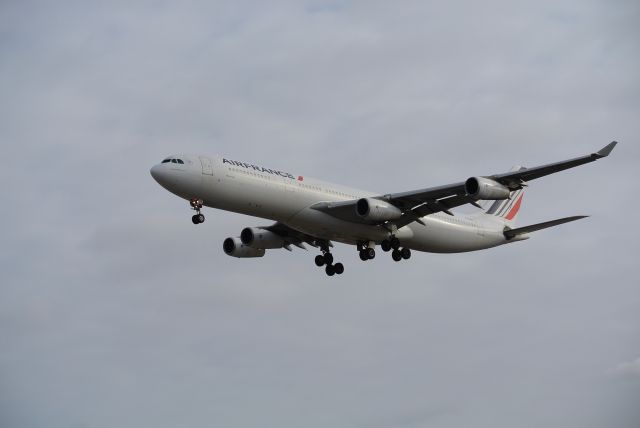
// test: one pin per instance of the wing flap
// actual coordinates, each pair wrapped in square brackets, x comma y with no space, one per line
[292,236]
[432,207]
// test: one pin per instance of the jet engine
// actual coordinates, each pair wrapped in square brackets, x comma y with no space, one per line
[235,248]
[485,188]
[377,210]
[259,238]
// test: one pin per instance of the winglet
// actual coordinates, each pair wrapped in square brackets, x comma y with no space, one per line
[604,152]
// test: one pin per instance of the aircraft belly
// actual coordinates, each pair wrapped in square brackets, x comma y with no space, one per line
[437,237]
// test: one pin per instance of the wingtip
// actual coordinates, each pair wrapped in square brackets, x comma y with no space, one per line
[606,150]
[574,218]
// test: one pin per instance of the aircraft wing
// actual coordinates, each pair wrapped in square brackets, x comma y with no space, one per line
[529,174]
[419,203]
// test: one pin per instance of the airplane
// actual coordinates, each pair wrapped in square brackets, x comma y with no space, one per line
[317,213]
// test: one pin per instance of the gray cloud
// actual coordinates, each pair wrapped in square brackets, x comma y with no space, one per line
[115,310]
[627,368]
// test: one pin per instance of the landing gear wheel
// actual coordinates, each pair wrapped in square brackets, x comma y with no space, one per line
[363,256]
[396,255]
[330,270]
[338,268]
[319,260]
[405,253]
[371,253]
[196,205]
[385,245]
[328,258]
[395,243]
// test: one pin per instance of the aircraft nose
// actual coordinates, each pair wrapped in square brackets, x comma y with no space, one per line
[159,174]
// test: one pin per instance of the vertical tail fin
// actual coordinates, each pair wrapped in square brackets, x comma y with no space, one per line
[508,208]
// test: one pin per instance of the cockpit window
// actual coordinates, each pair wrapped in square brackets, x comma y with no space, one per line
[170,160]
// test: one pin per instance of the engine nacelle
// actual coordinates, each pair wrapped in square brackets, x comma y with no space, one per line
[377,210]
[259,238]
[235,248]
[485,188]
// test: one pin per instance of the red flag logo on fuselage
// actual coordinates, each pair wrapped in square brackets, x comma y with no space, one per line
[300,178]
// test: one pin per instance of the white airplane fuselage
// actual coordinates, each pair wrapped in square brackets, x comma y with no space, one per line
[275,195]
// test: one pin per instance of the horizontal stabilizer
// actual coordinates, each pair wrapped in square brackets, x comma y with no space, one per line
[512,233]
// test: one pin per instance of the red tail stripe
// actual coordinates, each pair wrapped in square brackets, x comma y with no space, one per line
[515,209]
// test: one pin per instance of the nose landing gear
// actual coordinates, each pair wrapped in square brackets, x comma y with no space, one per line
[196,205]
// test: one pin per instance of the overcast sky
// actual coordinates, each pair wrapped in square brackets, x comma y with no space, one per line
[115,311]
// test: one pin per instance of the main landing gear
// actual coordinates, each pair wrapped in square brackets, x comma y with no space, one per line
[196,205]
[394,244]
[326,259]
[366,252]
